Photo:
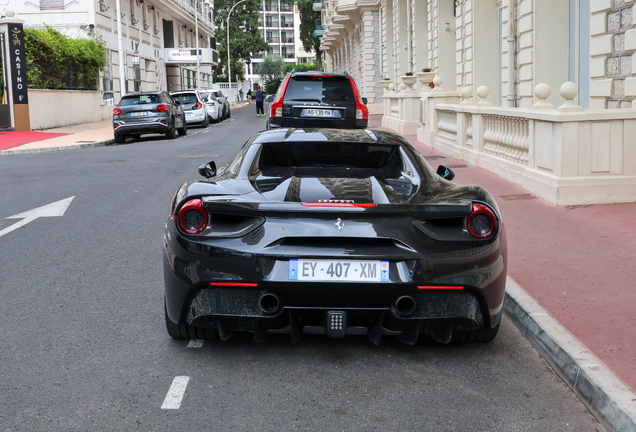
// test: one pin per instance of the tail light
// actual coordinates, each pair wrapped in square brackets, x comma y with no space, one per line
[277,105]
[116,111]
[199,105]
[219,100]
[481,221]
[192,217]
[212,103]
[362,112]
[162,107]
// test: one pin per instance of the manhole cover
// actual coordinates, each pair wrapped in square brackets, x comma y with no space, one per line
[516,197]
[200,156]
[116,161]
[435,157]
[456,166]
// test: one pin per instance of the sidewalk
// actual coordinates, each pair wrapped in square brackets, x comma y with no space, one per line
[572,269]
[84,135]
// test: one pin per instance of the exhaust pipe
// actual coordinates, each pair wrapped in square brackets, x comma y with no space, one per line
[269,303]
[405,305]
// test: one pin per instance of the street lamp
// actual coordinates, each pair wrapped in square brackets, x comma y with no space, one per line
[227,25]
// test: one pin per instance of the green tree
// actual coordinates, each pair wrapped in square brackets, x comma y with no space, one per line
[308,17]
[245,37]
[272,68]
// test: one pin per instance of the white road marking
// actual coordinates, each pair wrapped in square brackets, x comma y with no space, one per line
[195,343]
[175,394]
[55,209]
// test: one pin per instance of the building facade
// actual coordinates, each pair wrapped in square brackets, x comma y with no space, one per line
[538,91]
[154,33]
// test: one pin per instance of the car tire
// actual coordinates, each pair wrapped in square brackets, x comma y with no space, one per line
[217,119]
[120,139]
[228,113]
[484,334]
[183,131]
[171,133]
[185,331]
[205,123]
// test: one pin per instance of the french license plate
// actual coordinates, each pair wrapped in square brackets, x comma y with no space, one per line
[139,114]
[313,112]
[338,270]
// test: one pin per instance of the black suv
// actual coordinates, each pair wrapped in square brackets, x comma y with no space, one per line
[317,100]
[148,112]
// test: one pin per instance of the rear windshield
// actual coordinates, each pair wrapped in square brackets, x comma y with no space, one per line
[139,100]
[315,89]
[204,96]
[332,154]
[185,98]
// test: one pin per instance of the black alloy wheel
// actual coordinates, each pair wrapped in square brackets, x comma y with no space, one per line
[183,130]
[171,133]
[120,139]
[205,123]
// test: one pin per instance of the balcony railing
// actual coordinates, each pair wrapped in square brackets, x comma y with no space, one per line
[287,24]
[271,24]
[271,8]
[189,8]
[258,55]
[289,56]
[272,40]
[317,5]
[288,40]
[286,8]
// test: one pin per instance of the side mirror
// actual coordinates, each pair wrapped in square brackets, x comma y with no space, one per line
[445,172]
[208,170]
[178,103]
[269,98]
[365,100]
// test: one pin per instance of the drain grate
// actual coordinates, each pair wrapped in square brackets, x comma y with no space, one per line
[116,161]
[435,157]
[456,166]
[517,197]
[200,156]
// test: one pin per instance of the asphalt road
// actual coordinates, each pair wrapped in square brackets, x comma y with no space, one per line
[83,344]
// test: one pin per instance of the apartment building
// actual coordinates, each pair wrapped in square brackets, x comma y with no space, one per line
[279,25]
[159,37]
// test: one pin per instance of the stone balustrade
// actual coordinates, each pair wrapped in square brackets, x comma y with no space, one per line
[565,155]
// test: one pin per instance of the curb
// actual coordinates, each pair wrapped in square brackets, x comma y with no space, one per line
[61,148]
[599,389]
[239,106]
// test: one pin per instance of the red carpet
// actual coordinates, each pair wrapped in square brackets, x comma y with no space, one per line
[14,139]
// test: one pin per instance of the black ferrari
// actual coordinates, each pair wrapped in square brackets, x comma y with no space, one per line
[334,232]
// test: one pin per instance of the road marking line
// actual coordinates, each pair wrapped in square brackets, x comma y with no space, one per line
[195,343]
[175,394]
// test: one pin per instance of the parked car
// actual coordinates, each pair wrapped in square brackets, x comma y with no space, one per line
[213,106]
[137,114]
[317,99]
[193,105]
[222,99]
[336,232]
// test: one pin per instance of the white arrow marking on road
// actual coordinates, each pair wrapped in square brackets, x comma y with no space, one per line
[55,209]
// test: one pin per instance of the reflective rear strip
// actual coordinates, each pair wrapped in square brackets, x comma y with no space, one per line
[327,204]
[440,287]
[234,284]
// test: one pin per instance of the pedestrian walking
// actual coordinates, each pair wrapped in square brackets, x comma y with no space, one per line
[260,95]
[240,95]
[249,96]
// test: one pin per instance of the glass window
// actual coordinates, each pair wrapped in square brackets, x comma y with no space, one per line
[324,90]
[139,100]
[136,74]
[332,154]
[186,98]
